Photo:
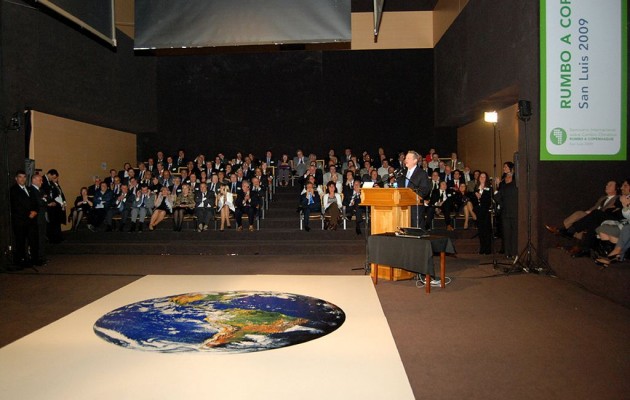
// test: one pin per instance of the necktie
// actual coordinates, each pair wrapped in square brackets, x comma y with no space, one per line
[26,191]
[233,187]
[142,202]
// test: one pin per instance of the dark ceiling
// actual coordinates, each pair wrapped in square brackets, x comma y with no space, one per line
[395,5]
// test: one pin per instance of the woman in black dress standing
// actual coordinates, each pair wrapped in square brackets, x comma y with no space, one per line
[483,195]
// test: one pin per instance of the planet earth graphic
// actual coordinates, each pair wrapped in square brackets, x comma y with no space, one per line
[233,322]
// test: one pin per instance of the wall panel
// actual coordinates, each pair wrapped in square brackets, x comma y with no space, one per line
[79,151]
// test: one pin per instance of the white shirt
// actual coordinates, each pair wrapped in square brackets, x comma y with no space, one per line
[409,174]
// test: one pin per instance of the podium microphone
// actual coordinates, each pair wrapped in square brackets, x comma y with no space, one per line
[400,172]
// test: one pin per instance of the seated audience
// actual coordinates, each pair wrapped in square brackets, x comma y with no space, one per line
[375,179]
[284,170]
[332,205]
[383,171]
[110,179]
[310,202]
[225,204]
[352,205]
[103,200]
[155,186]
[576,222]
[176,189]
[268,159]
[205,201]
[82,207]
[122,205]
[163,207]
[142,206]
[91,190]
[332,170]
[213,184]
[246,203]
[441,200]
[434,164]
[463,204]
[183,205]
[455,163]
[473,184]
[300,163]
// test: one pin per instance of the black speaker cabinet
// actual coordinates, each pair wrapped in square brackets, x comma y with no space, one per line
[524,109]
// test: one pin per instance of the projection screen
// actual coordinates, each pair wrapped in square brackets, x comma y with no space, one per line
[162,24]
[96,16]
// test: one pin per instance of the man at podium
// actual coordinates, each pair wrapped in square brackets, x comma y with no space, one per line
[415,178]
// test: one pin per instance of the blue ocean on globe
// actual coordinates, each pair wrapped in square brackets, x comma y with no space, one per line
[235,321]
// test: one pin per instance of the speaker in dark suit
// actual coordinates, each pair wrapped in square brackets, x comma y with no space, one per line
[415,178]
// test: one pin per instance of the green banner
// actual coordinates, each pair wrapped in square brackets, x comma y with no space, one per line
[583,70]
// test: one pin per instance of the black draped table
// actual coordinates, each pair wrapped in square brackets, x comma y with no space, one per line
[410,253]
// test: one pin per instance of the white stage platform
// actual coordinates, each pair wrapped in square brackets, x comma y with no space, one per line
[66,360]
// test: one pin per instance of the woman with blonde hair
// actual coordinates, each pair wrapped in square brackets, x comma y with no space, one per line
[225,203]
[184,204]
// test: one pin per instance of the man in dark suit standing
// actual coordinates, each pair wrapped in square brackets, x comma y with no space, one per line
[416,179]
[56,206]
[42,202]
[23,221]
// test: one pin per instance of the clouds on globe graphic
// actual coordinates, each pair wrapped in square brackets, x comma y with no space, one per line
[234,321]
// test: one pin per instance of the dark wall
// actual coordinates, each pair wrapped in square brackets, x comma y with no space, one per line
[286,100]
[490,57]
[53,67]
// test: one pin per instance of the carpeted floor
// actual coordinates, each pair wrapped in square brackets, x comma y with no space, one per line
[486,336]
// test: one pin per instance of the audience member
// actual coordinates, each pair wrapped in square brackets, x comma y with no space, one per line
[142,206]
[455,163]
[352,206]
[483,193]
[463,204]
[284,170]
[163,206]
[332,205]
[103,200]
[310,202]
[246,203]
[82,207]
[183,205]
[92,189]
[440,200]
[122,206]
[225,204]
[576,222]
[205,201]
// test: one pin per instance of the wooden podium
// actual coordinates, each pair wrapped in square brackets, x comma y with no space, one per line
[390,210]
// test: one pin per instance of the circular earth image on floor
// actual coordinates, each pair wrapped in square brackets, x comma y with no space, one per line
[235,322]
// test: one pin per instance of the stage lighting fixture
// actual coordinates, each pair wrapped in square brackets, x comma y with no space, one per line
[491,116]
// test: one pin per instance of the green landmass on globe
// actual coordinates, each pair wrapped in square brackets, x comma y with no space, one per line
[233,324]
